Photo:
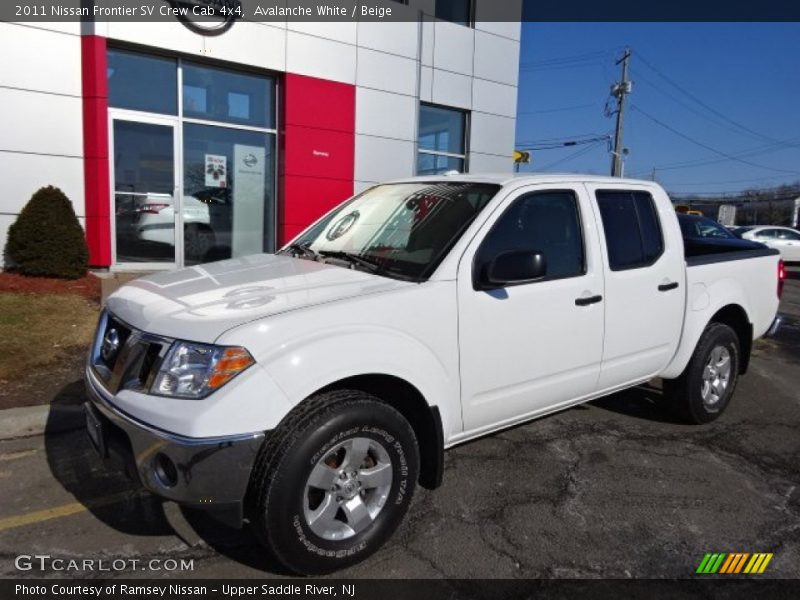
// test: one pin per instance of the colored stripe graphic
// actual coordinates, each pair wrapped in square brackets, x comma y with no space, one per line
[734,563]
[727,564]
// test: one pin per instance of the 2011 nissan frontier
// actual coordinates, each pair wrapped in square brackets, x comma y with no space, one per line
[308,392]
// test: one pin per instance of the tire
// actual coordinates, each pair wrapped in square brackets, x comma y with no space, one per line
[703,391]
[198,241]
[318,525]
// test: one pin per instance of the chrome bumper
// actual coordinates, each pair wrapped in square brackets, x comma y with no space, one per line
[210,473]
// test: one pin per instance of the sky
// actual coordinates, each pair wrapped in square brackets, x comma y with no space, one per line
[715,107]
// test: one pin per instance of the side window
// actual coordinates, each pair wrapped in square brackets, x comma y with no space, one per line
[546,222]
[632,230]
[787,234]
[766,234]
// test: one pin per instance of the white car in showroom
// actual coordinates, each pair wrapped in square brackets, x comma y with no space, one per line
[784,239]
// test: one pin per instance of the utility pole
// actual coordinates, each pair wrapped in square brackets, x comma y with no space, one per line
[619,91]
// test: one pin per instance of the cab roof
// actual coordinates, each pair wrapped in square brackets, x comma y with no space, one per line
[521,178]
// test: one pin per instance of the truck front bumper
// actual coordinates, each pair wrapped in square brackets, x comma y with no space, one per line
[209,473]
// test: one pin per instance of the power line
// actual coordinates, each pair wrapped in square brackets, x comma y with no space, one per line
[709,108]
[691,164]
[706,146]
[554,110]
[569,157]
[559,60]
[563,144]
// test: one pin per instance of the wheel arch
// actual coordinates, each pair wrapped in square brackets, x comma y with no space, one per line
[735,317]
[424,419]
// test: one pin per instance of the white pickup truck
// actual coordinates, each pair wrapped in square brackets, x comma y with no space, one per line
[308,392]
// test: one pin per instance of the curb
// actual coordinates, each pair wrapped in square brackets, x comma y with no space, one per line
[27,421]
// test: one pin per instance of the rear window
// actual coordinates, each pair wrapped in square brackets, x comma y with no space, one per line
[632,230]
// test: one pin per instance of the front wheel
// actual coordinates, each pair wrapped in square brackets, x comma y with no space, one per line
[333,481]
[703,391]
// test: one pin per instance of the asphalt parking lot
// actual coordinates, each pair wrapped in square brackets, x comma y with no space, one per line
[616,488]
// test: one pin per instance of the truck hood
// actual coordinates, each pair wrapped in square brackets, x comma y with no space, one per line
[200,303]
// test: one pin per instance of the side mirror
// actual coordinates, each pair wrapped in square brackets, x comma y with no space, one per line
[513,268]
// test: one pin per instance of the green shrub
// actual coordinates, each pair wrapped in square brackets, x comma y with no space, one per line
[46,239]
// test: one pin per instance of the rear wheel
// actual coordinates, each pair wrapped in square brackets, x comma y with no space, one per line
[333,481]
[704,389]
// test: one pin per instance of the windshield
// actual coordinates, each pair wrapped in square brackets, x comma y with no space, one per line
[400,230]
[702,227]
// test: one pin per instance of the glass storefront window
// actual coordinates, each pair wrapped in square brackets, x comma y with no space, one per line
[142,82]
[433,164]
[144,181]
[441,129]
[228,192]
[214,200]
[215,94]
[442,144]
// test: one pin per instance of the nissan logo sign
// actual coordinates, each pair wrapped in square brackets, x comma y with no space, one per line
[207,17]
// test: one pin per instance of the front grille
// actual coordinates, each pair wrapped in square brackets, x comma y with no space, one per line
[124,357]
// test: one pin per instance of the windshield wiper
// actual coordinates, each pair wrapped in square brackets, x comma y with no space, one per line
[354,259]
[302,250]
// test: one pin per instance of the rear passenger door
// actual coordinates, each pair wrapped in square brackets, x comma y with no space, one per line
[644,271]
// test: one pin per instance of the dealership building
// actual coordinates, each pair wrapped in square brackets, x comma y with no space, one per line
[178,147]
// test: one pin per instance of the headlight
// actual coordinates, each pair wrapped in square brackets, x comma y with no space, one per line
[195,370]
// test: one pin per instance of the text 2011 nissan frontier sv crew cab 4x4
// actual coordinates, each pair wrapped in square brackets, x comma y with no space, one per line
[309,391]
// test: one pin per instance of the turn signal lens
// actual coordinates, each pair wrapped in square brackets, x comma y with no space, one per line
[232,362]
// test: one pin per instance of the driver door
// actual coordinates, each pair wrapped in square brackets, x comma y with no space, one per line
[530,347]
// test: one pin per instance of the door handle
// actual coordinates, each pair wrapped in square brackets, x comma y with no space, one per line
[665,287]
[586,301]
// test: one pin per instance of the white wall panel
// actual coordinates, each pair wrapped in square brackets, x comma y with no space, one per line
[360,186]
[33,171]
[69,27]
[38,59]
[384,114]
[491,134]
[317,57]
[496,98]
[41,123]
[386,72]
[395,38]
[453,46]
[452,89]
[5,223]
[344,31]
[426,84]
[511,30]
[496,58]
[256,44]
[380,159]
[169,35]
[490,163]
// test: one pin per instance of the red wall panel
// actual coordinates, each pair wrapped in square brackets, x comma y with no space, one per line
[317,149]
[94,84]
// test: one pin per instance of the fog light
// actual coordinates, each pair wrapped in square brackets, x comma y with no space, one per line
[165,470]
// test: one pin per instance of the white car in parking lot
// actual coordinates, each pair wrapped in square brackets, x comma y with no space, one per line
[784,239]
